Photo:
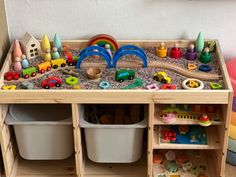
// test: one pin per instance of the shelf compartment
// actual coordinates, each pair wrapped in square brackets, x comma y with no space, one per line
[46,168]
[213,141]
[185,117]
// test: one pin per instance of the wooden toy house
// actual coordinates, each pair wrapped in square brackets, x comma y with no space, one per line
[30,46]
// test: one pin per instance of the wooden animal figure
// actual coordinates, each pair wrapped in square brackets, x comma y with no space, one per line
[24,62]
[176,52]
[55,53]
[47,56]
[57,42]
[108,49]
[191,53]
[200,42]
[17,64]
[17,50]
[45,43]
[161,51]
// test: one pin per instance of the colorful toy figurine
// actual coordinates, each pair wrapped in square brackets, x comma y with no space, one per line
[108,49]
[176,52]
[205,56]
[55,53]
[17,64]
[93,73]
[161,51]
[57,42]
[30,46]
[16,49]
[24,62]
[51,82]
[204,120]
[137,83]
[162,77]
[47,56]
[191,53]
[168,118]
[200,42]
[45,43]
[123,74]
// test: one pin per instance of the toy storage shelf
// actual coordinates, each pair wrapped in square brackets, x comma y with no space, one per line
[79,165]
[213,141]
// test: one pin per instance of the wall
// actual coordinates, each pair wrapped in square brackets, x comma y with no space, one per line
[126,19]
[4,39]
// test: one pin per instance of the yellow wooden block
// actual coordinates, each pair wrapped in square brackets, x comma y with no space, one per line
[192,66]
[9,87]
[232,131]
[233,118]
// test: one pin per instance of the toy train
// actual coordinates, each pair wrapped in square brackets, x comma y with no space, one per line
[41,68]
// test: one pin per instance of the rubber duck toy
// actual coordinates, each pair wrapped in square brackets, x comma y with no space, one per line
[55,53]
[161,51]
[47,56]
[191,53]
[17,64]
[204,120]
[205,56]
[24,62]
[176,52]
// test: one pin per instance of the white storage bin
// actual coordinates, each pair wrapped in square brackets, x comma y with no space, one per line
[113,143]
[43,132]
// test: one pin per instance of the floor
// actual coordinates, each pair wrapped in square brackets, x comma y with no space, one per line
[230,171]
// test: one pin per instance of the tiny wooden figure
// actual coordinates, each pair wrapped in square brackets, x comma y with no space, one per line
[30,46]
[108,49]
[55,53]
[24,62]
[17,64]
[161,51]
[47,56]
[45,43]
[17,50]
[191,53]
[176,52]
[205,56]
[200,42]
[57,42]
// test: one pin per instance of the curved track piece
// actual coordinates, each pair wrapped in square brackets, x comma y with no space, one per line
[130,50]
[94,51]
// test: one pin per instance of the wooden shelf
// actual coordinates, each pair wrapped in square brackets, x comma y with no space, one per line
[213,141]
[136,169]
[46,168]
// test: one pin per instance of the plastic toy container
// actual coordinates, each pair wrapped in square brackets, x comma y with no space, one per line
[113,143]
[43,132]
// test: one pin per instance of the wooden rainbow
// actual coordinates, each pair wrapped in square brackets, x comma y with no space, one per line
[103,39]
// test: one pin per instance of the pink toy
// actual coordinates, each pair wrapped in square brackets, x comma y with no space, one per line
[17,65]
[231,64]
[17,50]
[169,118]
[152,87]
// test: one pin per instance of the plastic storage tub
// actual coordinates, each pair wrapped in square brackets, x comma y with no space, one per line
[43,132]
[113,143]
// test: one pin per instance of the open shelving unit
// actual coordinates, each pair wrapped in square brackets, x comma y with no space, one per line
[78,164]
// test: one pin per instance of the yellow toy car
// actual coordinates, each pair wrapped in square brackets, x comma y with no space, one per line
[162,77]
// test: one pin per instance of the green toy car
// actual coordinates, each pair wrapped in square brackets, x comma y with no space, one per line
[123,74]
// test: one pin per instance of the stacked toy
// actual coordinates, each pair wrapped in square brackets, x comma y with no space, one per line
[231,153]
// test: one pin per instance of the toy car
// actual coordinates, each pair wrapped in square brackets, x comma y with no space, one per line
[123,74]
[11,76]
[162,77]
[51,82]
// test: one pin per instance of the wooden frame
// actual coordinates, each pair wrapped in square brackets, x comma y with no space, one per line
[152,98]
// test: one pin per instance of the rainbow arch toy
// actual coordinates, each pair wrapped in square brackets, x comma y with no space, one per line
[103,39]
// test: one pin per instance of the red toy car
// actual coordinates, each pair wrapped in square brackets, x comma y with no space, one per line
[12,75]
[51,82]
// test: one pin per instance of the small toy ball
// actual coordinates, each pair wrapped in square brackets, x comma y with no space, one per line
[169,118]
[204,120]
[157,158]
[72,80]
[170,155]
[104,85]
